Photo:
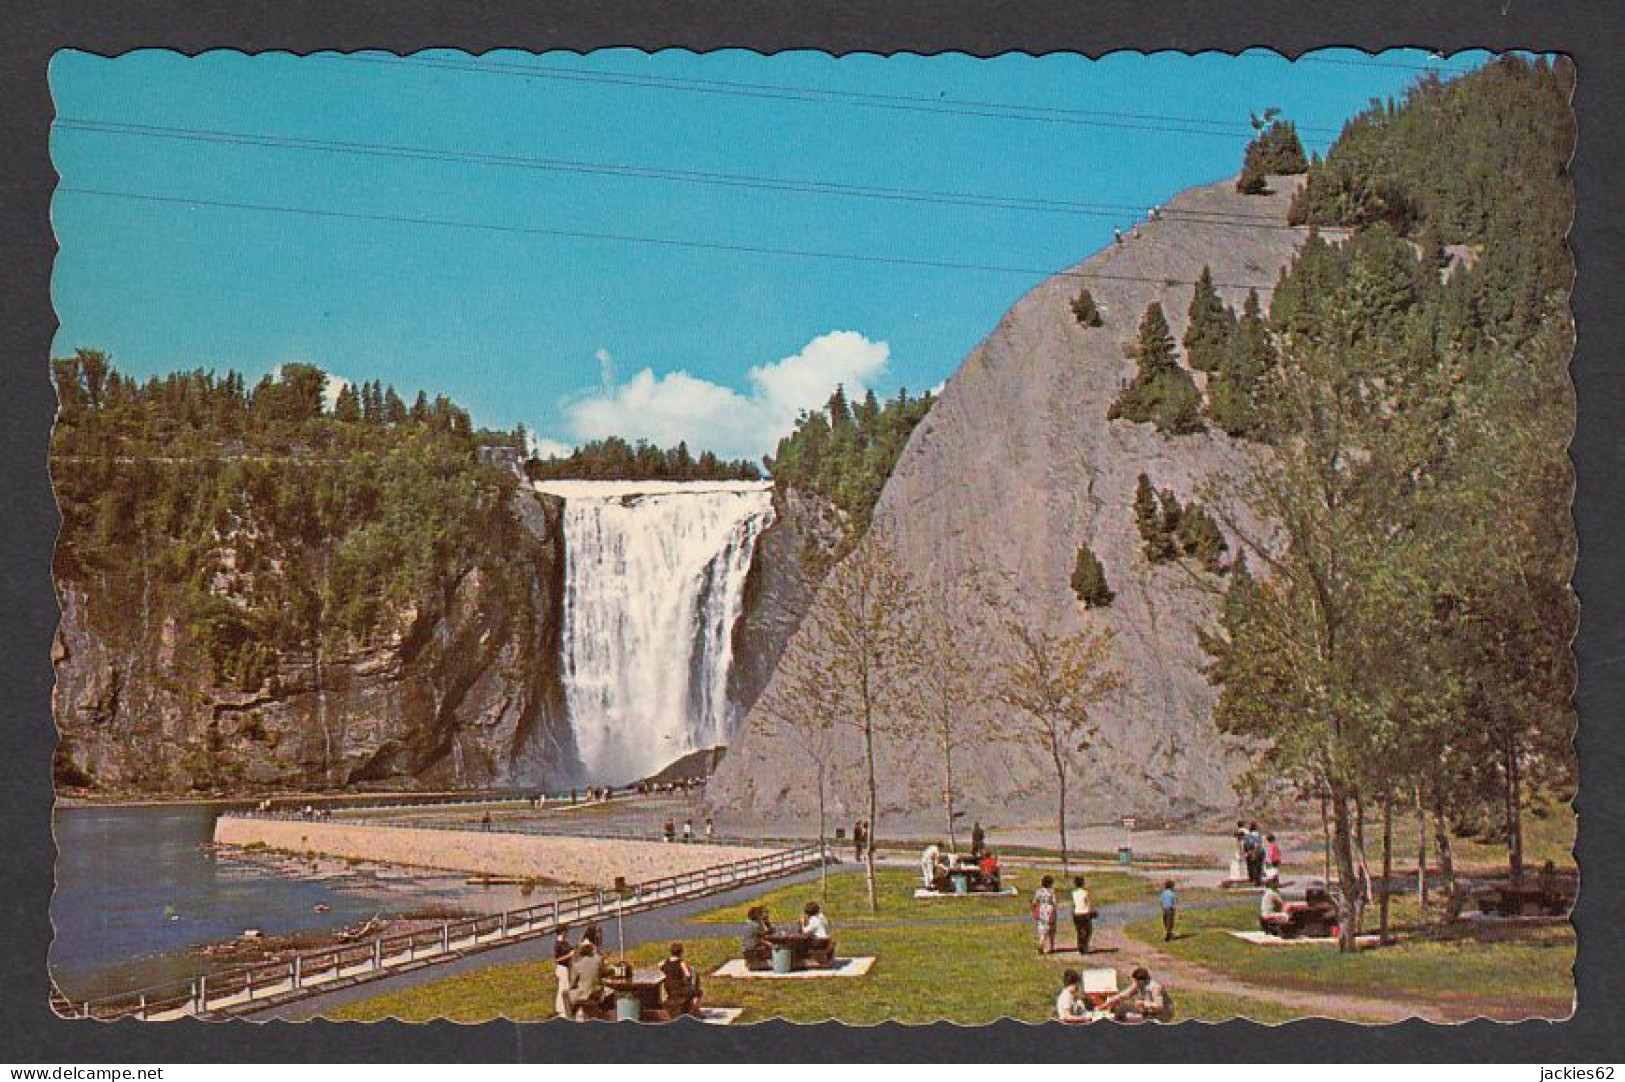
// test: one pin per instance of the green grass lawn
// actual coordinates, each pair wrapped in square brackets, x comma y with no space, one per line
[970,961]
[848,904]
[1528,966]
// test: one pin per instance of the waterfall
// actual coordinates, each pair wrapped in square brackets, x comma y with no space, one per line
[653,584]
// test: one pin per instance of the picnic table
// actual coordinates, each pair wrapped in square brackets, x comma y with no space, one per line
[640,986]
[1310,919]
[1508,900]
[805,950]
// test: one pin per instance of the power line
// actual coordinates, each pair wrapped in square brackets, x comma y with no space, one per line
[634,238]
[813,95]
[1228,219]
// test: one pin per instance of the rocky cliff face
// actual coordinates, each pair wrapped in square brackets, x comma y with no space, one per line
[464,691]
[1015,466]
[791,558]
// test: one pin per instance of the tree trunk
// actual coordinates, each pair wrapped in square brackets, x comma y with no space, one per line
[823,851]
[1325,838]
[948,791]
[1514,814]
[1060,813]
[1421,849]
[1447,856]
[1348,915]
[869,842]
[1387,859]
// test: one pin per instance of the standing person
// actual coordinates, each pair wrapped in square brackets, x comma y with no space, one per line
[1272,862]
[1044,908]
[688,831]
[1169,900]
[860,838]
[928,866]
[563,955]
[669,830]
[710,829]
[978,838]
[485,821]
[1083,914]
[1255,855]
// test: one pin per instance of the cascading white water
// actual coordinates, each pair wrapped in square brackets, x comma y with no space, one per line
[654,583]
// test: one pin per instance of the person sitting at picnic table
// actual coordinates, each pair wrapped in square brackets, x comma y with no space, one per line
[815,926]
[930,866]
[1272,916]
[757,951]
[563,955]
[1043,910]
[1143,1001]
[1070,1006]
[990,870]
[679,985]
[587,990]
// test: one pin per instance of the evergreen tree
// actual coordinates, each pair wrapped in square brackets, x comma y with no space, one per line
[1211,326]
[1089,580]
[1162,392]
[1085,309]
[1200,537]
[347,409]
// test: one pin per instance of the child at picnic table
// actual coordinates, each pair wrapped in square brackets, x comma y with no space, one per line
[1044,909]
[1070,1006]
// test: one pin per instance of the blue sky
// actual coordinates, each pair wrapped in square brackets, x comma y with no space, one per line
[575,336]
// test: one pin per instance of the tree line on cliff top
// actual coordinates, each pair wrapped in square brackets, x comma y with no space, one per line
[1406,638]
[1401,637]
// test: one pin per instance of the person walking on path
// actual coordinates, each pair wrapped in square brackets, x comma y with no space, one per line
[860,838]
[978,838]
[688,831]
[1083,914]
[1169,899]
[1044,908]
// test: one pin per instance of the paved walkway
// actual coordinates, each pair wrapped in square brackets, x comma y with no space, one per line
[655,925]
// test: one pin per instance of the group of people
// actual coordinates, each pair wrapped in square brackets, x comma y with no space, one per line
[580,973]
[1046,908]
[1145,1000]
[981,869]
[669,831]
[1259,853]
[756,945]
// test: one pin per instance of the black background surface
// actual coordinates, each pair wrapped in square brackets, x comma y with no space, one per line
[1592,34]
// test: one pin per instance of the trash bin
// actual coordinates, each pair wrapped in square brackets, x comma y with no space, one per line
[961,884]
[783,958]
[628,1007]
[1125,855]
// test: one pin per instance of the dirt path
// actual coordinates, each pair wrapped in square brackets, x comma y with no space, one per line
[1176,972]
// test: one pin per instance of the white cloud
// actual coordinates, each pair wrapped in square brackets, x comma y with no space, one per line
[711,416]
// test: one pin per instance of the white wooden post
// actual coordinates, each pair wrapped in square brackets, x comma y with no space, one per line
[297,967]
[445,935]
[377,954]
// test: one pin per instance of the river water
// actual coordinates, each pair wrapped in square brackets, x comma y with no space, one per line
[138,890]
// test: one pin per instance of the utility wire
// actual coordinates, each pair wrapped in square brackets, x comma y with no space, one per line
[1227,219]
[813,95]
[634,238]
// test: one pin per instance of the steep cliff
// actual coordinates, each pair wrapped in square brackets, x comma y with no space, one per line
[1013,469]
[461,688]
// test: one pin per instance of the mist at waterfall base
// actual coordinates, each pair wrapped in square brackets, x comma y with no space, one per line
[654,584]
